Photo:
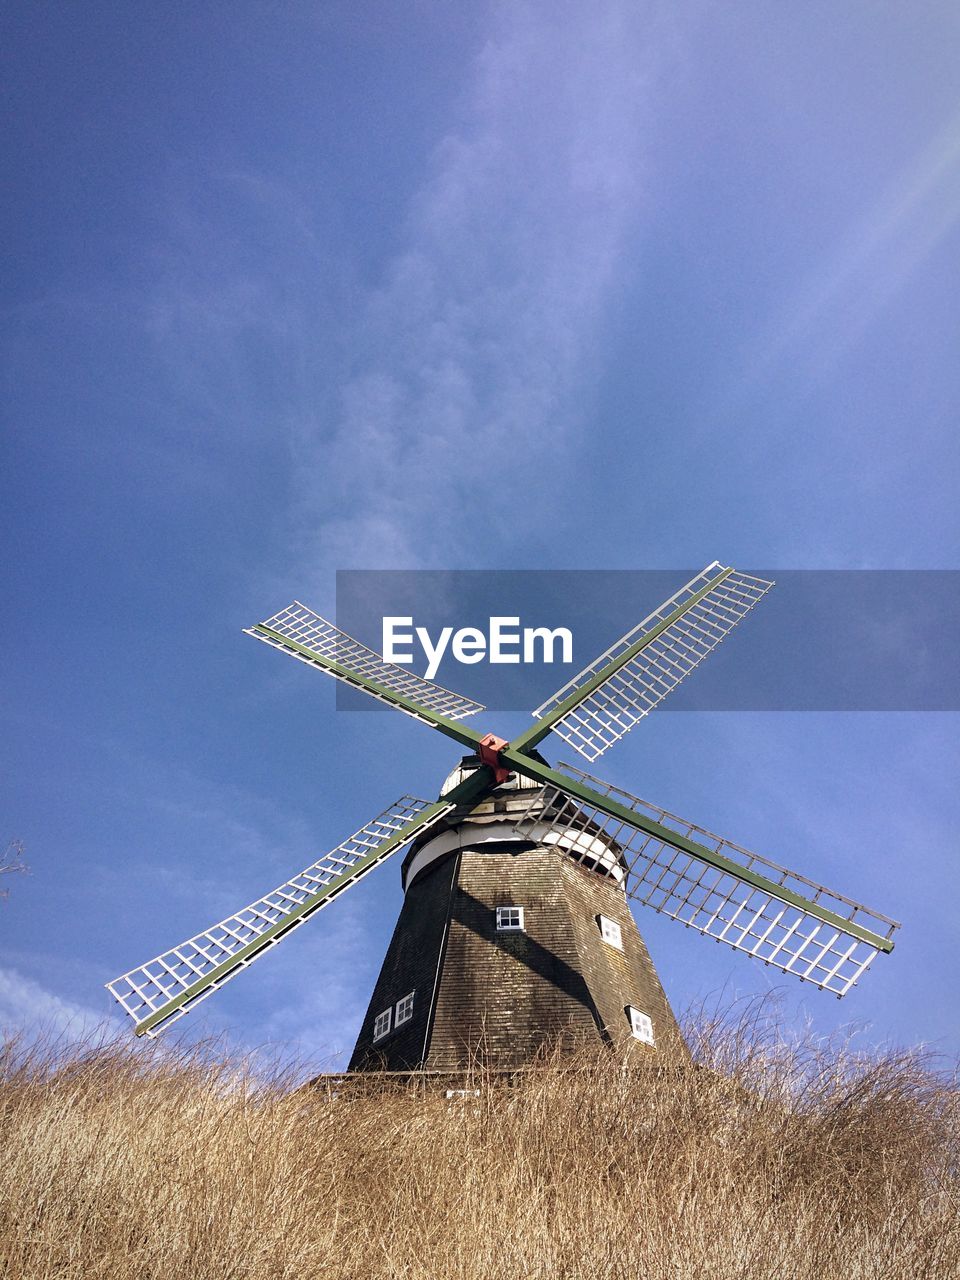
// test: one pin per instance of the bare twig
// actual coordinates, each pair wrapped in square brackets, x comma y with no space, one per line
[11,860]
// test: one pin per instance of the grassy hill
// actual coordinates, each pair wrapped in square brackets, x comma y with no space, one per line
[768,1162]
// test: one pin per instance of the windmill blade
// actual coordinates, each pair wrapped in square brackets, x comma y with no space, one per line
[165,988]
[712,885]
[303,634]
[603,703]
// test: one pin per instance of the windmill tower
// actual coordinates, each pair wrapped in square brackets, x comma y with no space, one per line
[515,928]
[508,942]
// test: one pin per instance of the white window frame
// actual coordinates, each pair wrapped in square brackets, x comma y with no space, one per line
[381,1028]
[502,916]
[404,1009]
[641,1025]
[611,932]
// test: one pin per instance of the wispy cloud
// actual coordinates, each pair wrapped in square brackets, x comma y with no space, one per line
[451,392]
[465,393]
[28,1009]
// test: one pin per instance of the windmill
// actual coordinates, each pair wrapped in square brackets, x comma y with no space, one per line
[515,926]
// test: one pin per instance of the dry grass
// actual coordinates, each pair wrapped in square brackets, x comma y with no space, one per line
[767,1162]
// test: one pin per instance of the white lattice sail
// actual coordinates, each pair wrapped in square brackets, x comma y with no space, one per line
[779,920]
[303,634]
[180,978]
[651,660]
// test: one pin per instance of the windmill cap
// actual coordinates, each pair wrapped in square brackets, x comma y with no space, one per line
[493,822]
[469,764]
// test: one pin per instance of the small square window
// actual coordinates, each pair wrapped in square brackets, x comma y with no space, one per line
[404,1010]
[510,918]
[640,1025]
[610,932]
[381,1024]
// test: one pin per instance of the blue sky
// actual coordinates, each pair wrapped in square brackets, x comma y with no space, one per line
[292,289]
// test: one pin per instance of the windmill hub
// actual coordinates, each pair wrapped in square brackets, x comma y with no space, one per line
[488,749]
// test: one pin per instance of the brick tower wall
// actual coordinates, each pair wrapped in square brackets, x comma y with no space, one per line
[497,997]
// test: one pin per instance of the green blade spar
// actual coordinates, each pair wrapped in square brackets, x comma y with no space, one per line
[600,704]
[168,986]
[305,635]
[629,816]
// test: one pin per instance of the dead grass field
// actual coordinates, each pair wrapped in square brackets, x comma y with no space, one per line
[766,1163]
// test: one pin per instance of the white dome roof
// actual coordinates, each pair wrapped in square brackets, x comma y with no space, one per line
[470,764]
